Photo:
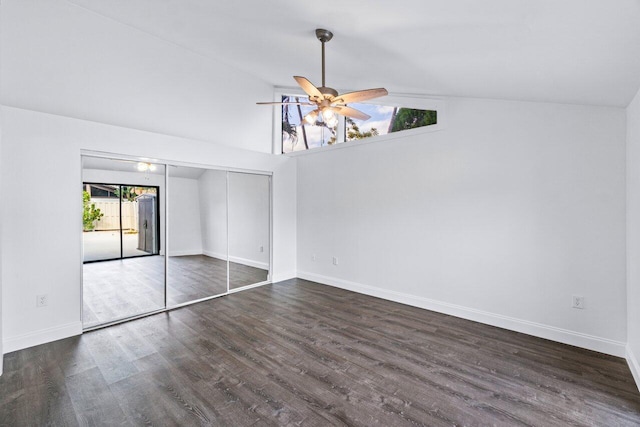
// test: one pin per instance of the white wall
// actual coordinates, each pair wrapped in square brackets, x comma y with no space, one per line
[501,218]
[185,232]
[60,58]
[213,213]
[249,219]
[633,236]
[39,149]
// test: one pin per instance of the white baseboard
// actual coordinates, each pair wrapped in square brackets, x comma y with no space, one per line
[214,255]
[284,276]
[238,260]
[41,337]
[633,366]
[249,262]
[565,336]
[185,253]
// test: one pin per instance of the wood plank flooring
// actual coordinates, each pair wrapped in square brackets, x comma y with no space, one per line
[122,288]
[299,353]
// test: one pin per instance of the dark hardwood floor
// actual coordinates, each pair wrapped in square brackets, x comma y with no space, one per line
[117,289]
[299,353]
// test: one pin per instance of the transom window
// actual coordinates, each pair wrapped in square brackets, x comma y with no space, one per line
[298,135]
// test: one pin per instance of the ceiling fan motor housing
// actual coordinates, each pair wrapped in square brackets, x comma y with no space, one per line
[328,91]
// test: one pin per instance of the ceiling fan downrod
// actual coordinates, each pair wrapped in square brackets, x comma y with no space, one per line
[324,36]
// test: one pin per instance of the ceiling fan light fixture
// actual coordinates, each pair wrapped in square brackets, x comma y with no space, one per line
[332,122]
[327,114]
[311,117]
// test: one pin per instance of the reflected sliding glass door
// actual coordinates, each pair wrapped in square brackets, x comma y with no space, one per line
[119,221]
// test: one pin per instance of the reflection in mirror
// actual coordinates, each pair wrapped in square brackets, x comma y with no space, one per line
[249,229]
[123,238]
[197,234]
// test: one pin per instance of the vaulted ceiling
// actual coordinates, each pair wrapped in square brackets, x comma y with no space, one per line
[570,51]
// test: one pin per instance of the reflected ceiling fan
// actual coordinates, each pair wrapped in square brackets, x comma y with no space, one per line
[327,100]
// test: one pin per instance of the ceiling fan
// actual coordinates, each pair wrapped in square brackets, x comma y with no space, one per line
[327,100]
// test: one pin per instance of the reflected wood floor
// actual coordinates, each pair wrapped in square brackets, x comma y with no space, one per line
[299,353]
[117,289]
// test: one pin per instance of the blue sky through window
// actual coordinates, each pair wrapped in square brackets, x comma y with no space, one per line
[320,135]
[380,117]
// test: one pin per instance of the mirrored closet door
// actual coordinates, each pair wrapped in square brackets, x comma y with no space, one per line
[197,234]
[249,229]
[123,239]
[214,224]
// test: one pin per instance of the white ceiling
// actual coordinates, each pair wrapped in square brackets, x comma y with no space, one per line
[569,51]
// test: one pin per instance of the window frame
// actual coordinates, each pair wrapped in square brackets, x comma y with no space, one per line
[392,100]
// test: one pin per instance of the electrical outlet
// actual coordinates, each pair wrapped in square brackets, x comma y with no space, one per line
[42,300]
[335,261]
[261,248]
[578,302]
[313,257]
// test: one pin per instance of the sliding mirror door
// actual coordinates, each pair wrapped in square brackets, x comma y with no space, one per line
[218,236]
[197,234]
[249,229]
[123,238]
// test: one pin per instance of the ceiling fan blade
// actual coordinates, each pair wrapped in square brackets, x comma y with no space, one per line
[284,103]
[351,112]
[360,95]
[308,87]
